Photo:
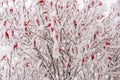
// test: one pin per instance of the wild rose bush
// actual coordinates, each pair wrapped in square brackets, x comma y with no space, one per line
[58,40]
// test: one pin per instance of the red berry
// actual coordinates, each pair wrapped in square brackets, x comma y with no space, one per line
[83,60]
[107,43]
[11,10]
[37,21]
[49,25]
[52,29]
[92,3]
[94,36]
[27,64]
[41,1]
[12,33]
[4,23]
[109,58]
[7,35]
[75,23]
[100,3]
[15,46]
[92,56]
[34,42]
[60,49]
[56,36]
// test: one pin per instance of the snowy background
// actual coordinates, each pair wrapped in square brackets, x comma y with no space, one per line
[18,52]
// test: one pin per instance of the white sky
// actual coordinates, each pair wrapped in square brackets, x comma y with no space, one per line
[107,2]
